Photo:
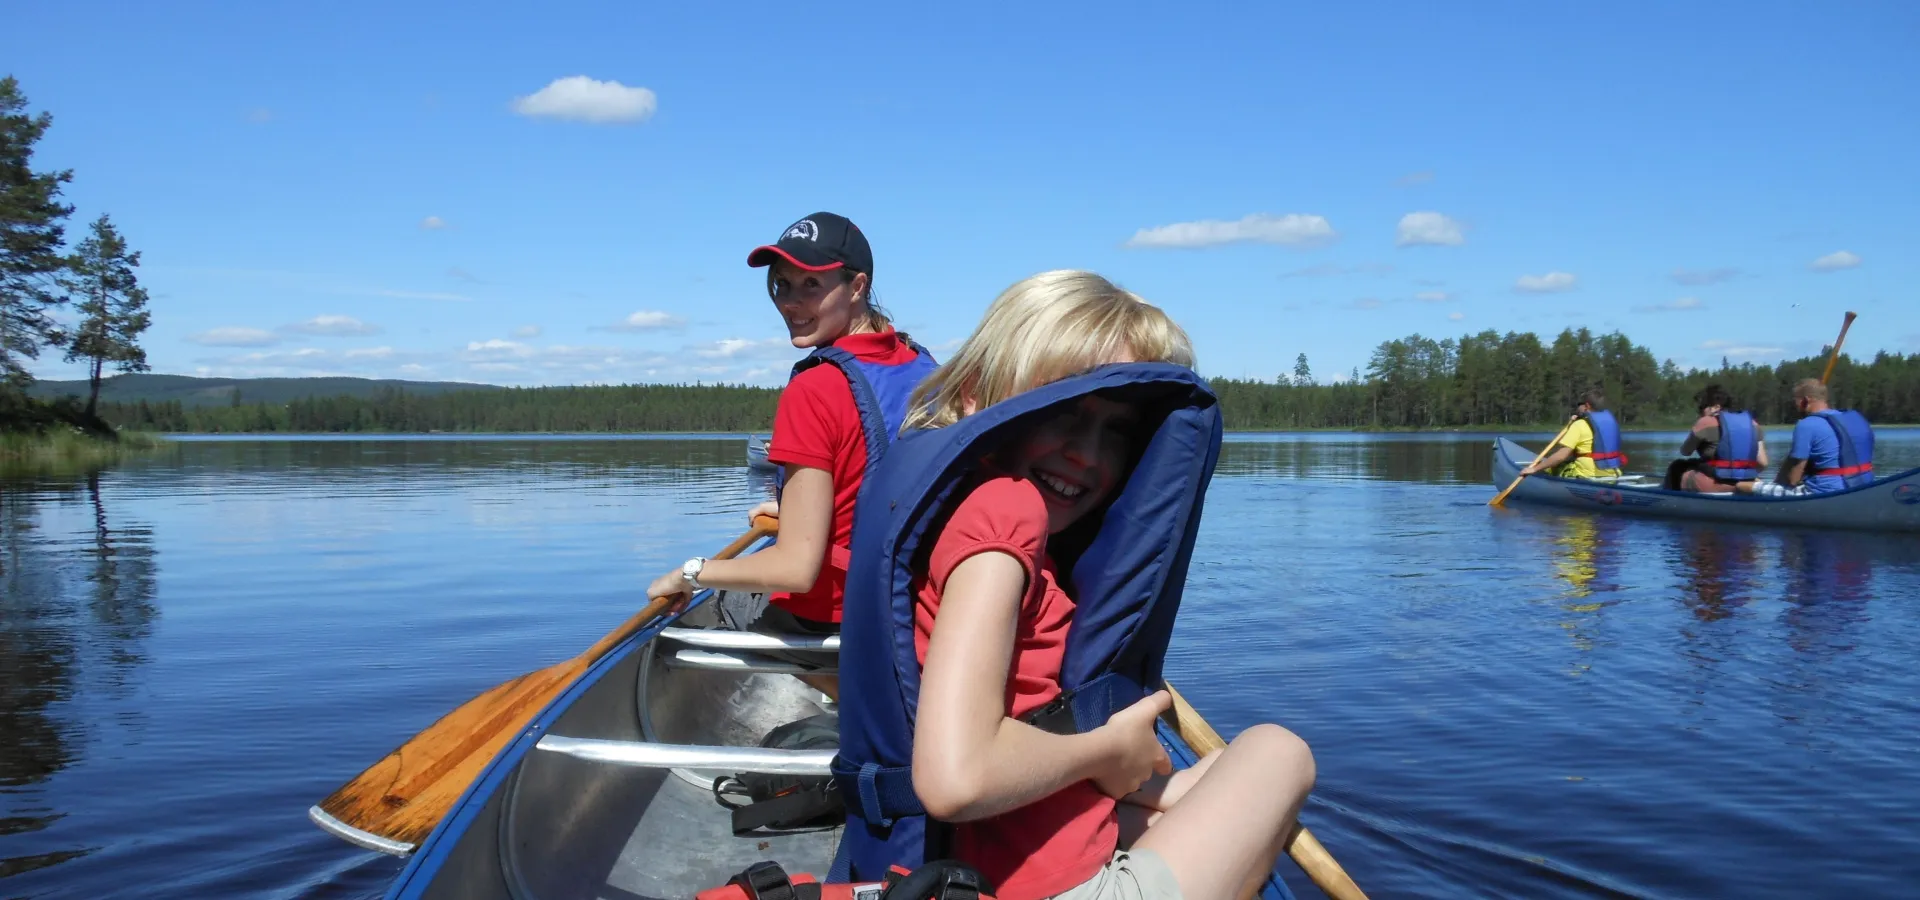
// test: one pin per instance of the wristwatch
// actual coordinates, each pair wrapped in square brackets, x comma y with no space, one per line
[690,571]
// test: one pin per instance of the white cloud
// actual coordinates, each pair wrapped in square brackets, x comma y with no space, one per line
[235,336]
[459,274]
[1736,348]
[646,320]
[1456,316]
[370,353]
[1430,229]
[1552,282]
[1683,304]
[744,348]
[1291,229]
[582,99]
[1412,178]
[259,115]
[495,348]
[1697,278]
[1433,296]
[432,223]
[332,326]
[1366,303]
[527,331]
[414,369]
[1834,262]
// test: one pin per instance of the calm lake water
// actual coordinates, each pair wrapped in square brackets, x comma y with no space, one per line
[196,646]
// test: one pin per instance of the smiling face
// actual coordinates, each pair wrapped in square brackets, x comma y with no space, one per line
[819,307]
[1076,457]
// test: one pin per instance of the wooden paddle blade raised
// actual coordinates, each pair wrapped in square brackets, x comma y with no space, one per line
[397,802]
[1305,849]
[1834,357]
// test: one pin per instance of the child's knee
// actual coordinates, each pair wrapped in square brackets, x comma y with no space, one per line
[1282,749]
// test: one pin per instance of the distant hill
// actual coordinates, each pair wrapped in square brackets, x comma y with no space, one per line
[192,391]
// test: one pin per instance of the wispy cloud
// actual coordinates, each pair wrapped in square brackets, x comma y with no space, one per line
[1433,296]
[1429,229]
[1456,316]
[1366,303]
[259,115]
[646,320]
[1324,270]
[1834,262]
[1412,178]
[1294,229]
[332,326]
[458,274]
[745,348]
[581,99]
[432,223]
[235,336]
[1700,277]
[527,331]
[1550,283]
[1683,304]
[1741,349]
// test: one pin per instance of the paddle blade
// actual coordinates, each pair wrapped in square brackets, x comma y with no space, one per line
[402,797]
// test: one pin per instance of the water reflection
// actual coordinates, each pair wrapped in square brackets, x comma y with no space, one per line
[76,607]
[1718,568]
[1586,556]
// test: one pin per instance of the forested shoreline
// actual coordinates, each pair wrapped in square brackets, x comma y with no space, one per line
[1481,381]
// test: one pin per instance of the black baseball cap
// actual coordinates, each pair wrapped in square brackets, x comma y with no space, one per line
[817,243]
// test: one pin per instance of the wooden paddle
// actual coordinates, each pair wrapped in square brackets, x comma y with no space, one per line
[1835,357]
[1502,496]
[403,796]
[1301,845]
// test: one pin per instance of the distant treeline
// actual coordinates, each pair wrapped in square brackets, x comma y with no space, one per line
[1476,381]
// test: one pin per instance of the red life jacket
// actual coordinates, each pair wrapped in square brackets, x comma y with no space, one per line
[939,880]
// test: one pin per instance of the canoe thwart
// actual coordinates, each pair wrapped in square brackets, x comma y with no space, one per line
[355,836]
[647,755]
[724,639]
[741,662]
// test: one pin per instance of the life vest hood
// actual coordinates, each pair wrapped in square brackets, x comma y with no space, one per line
[1606,453]
[1856,447]
[1127,584]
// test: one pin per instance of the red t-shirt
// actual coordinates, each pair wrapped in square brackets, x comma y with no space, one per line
[818,425]
[1056,843]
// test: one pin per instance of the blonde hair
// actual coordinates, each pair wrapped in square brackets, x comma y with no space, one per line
[1042,329]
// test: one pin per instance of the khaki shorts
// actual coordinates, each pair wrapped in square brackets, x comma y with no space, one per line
[1130,875]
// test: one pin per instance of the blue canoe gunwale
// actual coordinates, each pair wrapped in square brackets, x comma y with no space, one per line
[1890,504]
[490,846]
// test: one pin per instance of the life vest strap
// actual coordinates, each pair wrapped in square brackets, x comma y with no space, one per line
[1602,456]
[942,879]
[1733,464]
[884,793]
[1844,471]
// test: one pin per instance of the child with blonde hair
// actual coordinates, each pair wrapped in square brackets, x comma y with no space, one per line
[1097,815]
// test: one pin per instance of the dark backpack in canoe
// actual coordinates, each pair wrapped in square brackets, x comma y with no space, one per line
[786,803]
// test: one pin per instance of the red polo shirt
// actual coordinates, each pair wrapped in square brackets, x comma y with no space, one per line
[818,425]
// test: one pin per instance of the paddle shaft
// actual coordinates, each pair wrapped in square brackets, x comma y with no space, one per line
[1502,496]
[1835,356]
[1302,846]
[404,796]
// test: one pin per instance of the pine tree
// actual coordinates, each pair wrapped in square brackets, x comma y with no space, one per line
[32,226]
[112,306]
[1302,376]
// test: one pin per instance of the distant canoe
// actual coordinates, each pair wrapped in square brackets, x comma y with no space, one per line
[608,792]
[757,454]
[1889,504]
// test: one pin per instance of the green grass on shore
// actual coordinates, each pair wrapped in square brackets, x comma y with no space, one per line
[69,449]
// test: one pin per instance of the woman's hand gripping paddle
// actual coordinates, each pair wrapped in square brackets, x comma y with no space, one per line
[1501,497]
[396,802]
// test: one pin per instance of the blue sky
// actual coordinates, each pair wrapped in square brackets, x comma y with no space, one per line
[349,188]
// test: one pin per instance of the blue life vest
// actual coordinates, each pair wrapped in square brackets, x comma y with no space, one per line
[1606,440]
[1856,447]
[1737,455]
[880,392]
[1127,585]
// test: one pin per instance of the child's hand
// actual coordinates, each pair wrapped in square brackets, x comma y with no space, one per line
[666,586]
[1137,754]
[766,508]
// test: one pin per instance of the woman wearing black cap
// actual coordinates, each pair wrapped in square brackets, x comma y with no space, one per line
[842,405]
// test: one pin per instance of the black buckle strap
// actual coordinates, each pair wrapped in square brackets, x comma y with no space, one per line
[766,881]
[941,879]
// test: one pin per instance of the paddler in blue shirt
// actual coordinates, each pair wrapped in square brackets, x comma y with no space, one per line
[1832,448]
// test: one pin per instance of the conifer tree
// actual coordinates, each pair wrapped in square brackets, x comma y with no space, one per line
[32,227]
[112,307]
